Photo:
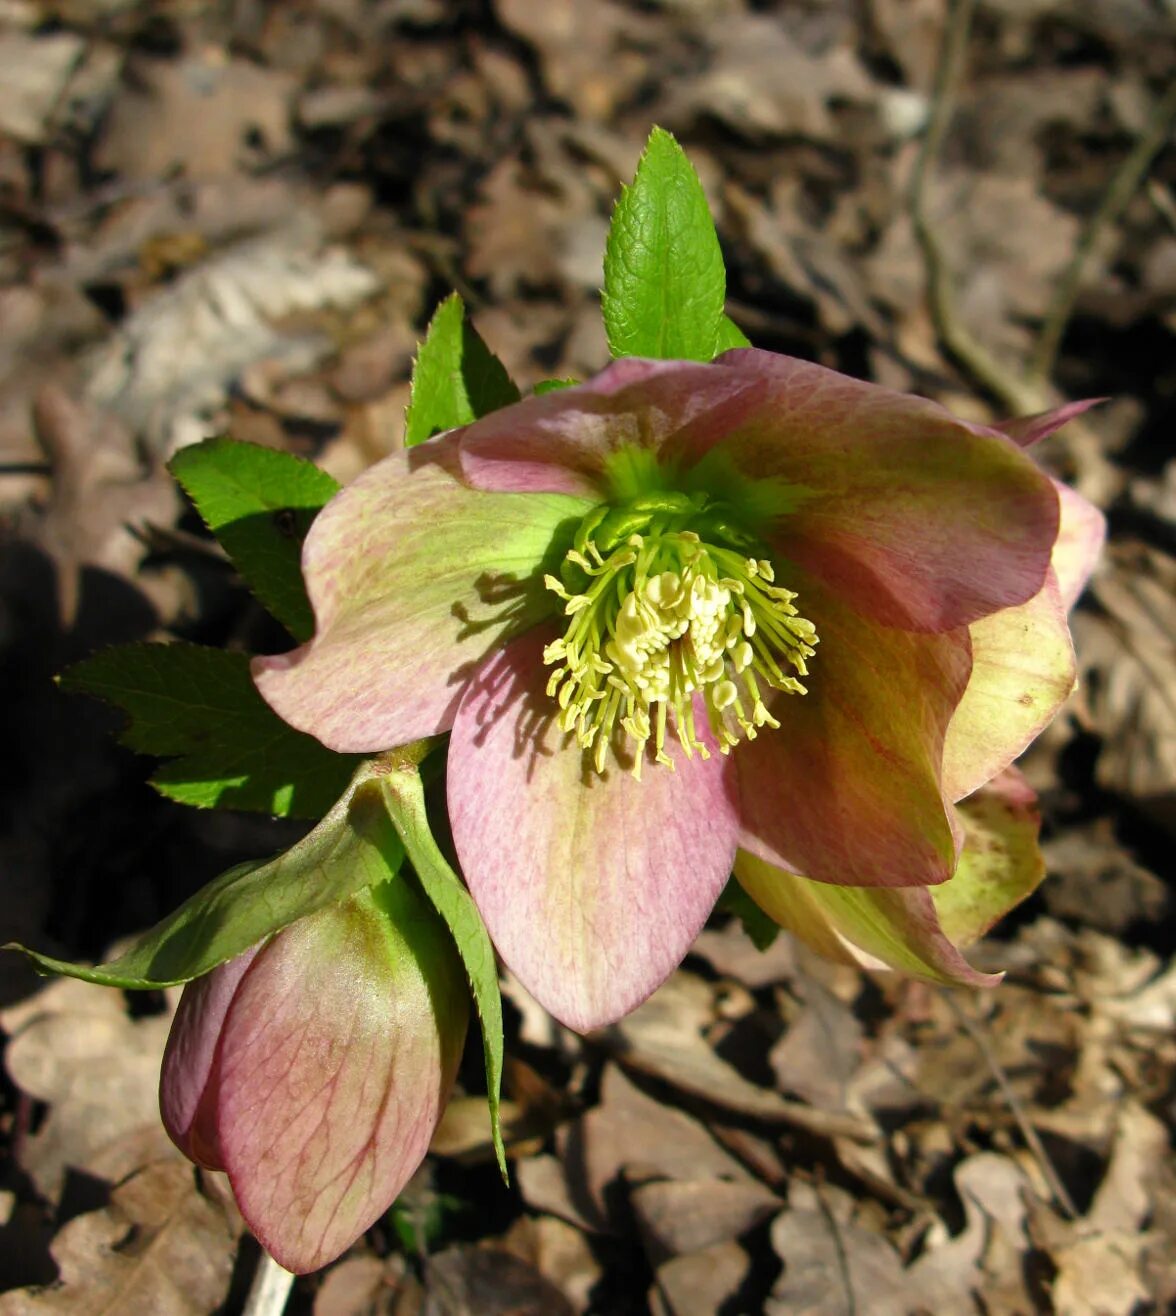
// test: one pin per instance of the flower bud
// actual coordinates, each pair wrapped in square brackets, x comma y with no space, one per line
[314,1068]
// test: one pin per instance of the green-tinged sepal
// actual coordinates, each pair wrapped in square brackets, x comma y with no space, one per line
[916,930]
[1001,863]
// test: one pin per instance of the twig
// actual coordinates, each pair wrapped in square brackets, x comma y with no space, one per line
[1014,394]
[1028,1132]
[269,1290]
[843,1269]
[1123,185]
[25,468]
[1018,394]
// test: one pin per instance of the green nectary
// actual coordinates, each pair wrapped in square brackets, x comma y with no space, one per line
[668,595]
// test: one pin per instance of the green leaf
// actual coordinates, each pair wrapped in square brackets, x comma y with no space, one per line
[664,281]
[259,503]
[759,927]
[200,708]
[405,797]
[423,1220]
[730,335]
[553,386]
[455,379]
[355,846]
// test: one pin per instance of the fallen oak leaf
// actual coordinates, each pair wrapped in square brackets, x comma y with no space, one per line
[160,1246]
[663,1038]
[78,1050]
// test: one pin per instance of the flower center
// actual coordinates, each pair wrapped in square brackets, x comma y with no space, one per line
[657,614]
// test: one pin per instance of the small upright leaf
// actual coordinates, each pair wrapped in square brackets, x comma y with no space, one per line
[405,797]
[664,281]
[199,708]
[259,503]
[455,379]
[355,846]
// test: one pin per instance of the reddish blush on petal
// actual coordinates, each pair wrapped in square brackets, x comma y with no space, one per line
[920,520]
[848,790]
[185,1104]
[1027,430]
[337,1056]
[559,442]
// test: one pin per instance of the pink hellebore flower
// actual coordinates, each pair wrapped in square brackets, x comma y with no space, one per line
[686,612]
[315,1067]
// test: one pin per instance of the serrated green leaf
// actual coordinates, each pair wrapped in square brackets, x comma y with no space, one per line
[199,708]
[353,847]
[730,335]
[405,797]
[259,503]
[664,281]
[455,378]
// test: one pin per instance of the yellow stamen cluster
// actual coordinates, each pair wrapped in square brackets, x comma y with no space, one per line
[661,618]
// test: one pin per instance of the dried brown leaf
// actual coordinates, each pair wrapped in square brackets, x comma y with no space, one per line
[160,1247]
[664,1038]
[100,493]
[832,1267]
[207,115]
[474,1281]
[1127,652]
[1093,879]
[700,1284]
[761,81]
[544,1185]
[357,1286]
[821,1050]
[594,66]
[96,1067]
[34,71]
[680,1216]
[1100,1275]
[733,954]
[991,1189]
[629,1130]
[170,364]
[557,1251]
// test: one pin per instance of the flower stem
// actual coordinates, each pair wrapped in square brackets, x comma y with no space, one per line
[269,1290]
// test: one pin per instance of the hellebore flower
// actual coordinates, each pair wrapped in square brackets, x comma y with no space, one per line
[683,612]
[314,1068]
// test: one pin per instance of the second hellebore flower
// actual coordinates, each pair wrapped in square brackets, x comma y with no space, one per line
[315,1067]
[686,611]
